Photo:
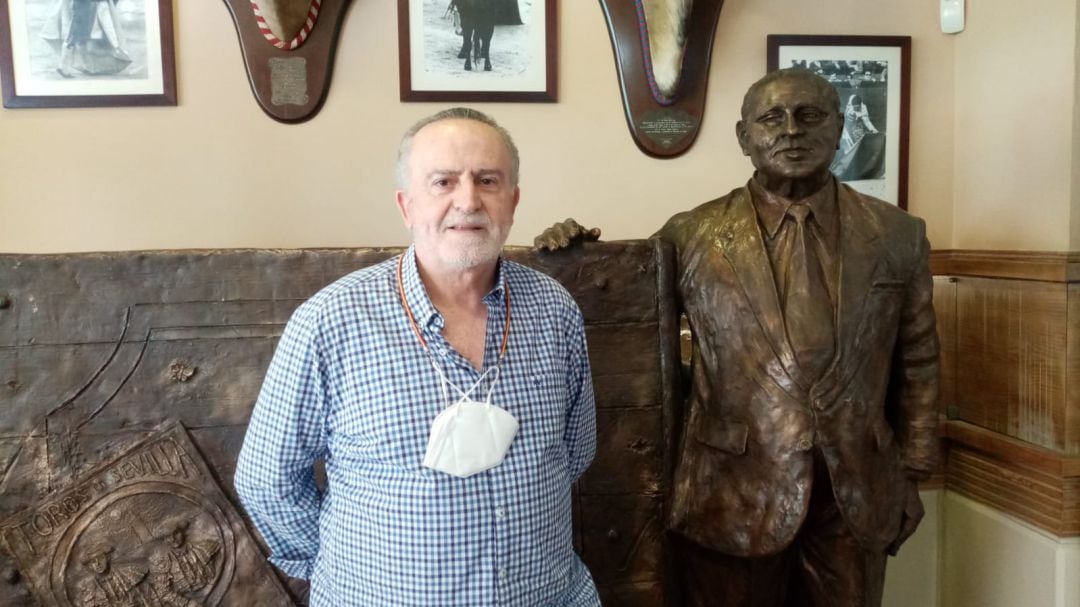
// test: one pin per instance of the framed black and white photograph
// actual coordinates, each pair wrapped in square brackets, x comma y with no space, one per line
[86,53]
[872,75]
[477,50]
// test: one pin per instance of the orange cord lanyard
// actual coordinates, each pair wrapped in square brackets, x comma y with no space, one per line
[416,329]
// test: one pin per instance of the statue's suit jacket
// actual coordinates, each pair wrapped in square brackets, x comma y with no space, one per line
[743,479]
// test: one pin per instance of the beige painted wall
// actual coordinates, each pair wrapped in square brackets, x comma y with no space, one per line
[1015,97]
[216,172]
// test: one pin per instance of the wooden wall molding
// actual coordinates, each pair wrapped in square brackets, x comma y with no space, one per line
[1039,486]
[1018,265]
[1010,382]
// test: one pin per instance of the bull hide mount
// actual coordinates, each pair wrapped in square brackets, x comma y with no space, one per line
[662,53]
[288,48]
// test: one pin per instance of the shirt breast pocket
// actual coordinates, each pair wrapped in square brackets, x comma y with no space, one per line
[540,408]
[387,433]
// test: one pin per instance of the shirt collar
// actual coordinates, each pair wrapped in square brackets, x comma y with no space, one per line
[771,208]
[423,310]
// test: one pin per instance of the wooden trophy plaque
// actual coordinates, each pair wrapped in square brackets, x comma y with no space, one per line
[288,48]
[662,52]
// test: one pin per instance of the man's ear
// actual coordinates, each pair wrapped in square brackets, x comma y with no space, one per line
[740,134]
[402,200]
[517,196]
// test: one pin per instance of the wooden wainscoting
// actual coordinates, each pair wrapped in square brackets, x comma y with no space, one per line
[1011,381]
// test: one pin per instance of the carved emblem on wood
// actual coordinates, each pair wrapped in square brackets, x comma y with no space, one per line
[662,53]
[149,528]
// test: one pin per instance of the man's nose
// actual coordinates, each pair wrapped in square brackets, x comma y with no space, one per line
[468,196]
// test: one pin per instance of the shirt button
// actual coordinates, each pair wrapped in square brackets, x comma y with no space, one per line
[804,444]
[503,573]
[819,403]
[500,513]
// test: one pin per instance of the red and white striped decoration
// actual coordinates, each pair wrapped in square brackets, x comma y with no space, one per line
[313,14]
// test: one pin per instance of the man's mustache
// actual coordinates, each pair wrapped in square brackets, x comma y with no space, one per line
[467,220]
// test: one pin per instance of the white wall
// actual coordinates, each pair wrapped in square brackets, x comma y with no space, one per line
[912,579]
[990,559]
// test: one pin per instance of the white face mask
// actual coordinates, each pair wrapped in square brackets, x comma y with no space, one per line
[469,437]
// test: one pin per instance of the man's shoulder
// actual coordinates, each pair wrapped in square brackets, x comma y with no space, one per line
[532,287]
[349,290]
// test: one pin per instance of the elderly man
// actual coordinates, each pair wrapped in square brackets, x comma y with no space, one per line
[448,392]
[811,412]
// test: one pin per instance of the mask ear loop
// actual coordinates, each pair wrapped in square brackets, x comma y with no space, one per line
[464,393]
[494,381]
[442,383]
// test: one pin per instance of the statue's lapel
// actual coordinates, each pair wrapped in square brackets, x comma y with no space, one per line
[742,244]
[859,258]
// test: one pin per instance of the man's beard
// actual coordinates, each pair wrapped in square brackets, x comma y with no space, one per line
[479,250]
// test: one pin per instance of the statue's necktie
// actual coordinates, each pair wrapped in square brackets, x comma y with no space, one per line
[808,311]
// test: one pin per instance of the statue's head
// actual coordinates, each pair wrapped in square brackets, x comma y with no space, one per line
[98,560]
[791,125]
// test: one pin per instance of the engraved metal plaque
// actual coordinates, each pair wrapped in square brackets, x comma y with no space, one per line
[150,527]
[667,127]
[288,81]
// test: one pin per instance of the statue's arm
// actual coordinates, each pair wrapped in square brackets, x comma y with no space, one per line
[914,385]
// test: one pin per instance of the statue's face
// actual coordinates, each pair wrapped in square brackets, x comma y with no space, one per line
[791,129]
[99,564]
[176,538]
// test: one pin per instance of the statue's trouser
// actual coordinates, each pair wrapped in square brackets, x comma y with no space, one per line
[823,567]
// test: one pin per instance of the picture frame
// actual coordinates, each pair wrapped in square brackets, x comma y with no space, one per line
[110,53]
[872,76]
[522,51]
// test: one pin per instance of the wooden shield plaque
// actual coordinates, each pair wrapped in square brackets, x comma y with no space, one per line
[663,72]
[288,48]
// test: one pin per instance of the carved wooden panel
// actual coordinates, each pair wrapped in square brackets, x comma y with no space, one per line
[97,350]
[150,527]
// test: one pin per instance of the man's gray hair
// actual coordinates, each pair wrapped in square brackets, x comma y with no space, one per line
[454,113]
[831,96]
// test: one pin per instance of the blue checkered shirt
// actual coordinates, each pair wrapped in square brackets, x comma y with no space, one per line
[350,383]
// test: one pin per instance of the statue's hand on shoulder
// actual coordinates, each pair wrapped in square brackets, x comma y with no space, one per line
[564,234]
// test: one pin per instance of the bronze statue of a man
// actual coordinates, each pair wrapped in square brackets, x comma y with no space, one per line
[811,413]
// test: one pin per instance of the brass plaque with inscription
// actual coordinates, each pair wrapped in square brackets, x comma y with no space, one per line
[150,527]
[667,127]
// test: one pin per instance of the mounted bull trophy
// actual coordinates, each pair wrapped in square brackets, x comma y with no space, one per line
[662,52]
[288,48]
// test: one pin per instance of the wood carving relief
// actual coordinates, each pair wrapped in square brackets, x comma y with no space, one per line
[150,527]
[102,504]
